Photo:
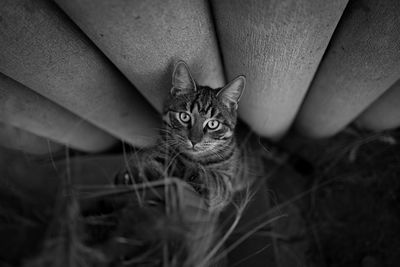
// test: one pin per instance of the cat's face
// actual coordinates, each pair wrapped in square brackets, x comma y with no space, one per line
[200,119]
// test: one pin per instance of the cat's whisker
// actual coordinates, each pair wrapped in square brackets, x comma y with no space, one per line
[214,168]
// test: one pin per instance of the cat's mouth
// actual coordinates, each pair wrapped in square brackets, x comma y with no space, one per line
[194,150]
[198,149]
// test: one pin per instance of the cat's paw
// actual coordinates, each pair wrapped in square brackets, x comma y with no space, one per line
[138,175]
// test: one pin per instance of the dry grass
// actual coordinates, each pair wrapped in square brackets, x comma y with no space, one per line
[344,213]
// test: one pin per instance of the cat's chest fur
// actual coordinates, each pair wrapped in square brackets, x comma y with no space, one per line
[197,142]
[214,163]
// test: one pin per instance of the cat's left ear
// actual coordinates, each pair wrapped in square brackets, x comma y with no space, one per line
[230,94]
[182,81]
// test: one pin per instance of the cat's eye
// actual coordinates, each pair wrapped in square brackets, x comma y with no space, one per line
[213,124]
[184,117]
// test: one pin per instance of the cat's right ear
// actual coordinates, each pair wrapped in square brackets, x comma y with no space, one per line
[231,93]
[182,81]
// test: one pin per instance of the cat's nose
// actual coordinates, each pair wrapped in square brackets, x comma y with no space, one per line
[193,143]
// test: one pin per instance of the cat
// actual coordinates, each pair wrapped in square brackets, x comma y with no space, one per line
[198,142]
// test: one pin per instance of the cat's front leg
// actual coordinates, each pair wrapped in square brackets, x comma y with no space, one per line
[142,168]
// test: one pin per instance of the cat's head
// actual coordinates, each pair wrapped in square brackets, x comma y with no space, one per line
[199,118]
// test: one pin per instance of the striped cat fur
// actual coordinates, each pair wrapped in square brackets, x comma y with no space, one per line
[198,142]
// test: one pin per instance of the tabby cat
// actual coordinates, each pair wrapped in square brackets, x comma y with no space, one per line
[198,142]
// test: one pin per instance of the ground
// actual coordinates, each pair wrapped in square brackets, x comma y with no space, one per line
[350,212]
[335,202]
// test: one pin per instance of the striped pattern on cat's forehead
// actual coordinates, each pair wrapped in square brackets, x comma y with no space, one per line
[205,102]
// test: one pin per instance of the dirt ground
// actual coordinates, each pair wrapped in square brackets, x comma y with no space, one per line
[350,212]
